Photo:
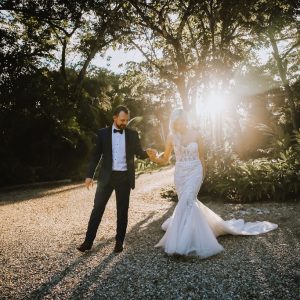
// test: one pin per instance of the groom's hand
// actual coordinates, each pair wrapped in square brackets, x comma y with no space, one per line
[89,183]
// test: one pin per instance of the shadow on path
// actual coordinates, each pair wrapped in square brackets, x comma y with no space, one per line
[30,194]
[89,275]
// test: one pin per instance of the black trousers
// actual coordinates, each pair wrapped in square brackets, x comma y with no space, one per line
[119,182]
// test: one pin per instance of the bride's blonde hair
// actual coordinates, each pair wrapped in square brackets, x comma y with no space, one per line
[176,114]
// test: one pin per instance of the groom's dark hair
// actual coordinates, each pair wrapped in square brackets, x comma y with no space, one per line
[120,108]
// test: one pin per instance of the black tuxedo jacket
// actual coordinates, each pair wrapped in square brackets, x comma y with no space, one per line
[103,153]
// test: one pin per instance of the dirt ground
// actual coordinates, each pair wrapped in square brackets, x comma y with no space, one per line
[41,227]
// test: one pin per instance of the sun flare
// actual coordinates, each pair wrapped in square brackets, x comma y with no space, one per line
[211,105]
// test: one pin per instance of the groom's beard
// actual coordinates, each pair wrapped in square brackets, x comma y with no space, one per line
[121,126]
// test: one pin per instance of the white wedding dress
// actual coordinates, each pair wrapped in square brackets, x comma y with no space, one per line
[193,227]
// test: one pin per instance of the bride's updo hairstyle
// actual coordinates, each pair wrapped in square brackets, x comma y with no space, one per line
[178,113]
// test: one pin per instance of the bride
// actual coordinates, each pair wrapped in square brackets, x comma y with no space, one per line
[193,227]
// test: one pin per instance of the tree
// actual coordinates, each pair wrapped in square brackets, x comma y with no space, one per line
[277,23]
[81,29]
[190,42]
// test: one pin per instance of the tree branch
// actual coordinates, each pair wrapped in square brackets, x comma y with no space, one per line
[291,49]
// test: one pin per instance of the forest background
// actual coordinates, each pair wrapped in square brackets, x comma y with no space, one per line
[204,56]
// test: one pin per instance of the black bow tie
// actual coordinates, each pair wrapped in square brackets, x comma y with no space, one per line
[120,131]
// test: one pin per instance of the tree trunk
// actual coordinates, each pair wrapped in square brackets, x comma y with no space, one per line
[283,76]
[63,66]
[183,92]
[63,59]
[82,73]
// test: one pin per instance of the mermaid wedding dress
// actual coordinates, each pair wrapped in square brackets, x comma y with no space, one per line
[193,227]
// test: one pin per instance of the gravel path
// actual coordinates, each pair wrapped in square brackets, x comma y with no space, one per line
[40,229]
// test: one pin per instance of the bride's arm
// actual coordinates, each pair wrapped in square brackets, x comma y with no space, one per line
[164,159]
[201,154]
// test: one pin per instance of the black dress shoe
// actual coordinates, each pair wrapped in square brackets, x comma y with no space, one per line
[118,247]
[84,246]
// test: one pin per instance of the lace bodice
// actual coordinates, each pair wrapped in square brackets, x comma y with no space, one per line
[185,153]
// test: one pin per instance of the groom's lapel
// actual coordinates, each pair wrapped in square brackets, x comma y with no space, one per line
[109,139]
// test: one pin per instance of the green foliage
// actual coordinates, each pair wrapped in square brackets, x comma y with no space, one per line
[45,135]
[261,179]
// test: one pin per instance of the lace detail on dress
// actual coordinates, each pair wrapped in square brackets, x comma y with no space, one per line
[185,153]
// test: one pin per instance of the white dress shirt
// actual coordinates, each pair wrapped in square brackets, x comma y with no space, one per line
[118,150]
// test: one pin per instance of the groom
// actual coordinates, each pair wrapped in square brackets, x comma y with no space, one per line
[116,146]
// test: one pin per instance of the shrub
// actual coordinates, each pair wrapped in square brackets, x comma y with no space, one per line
[268,178]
